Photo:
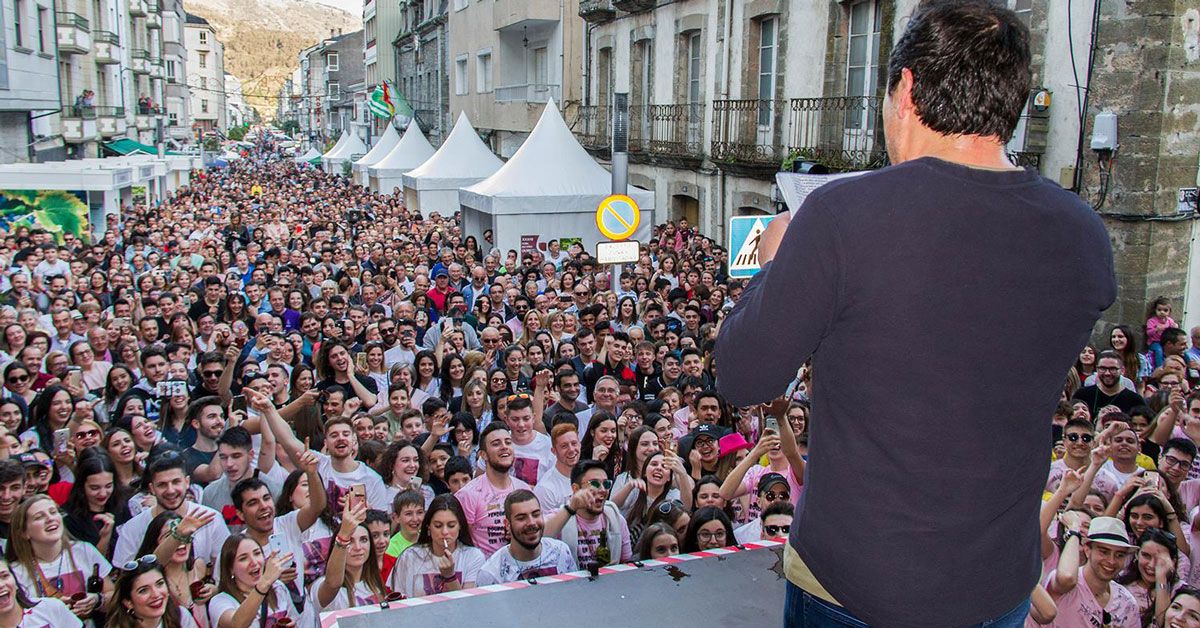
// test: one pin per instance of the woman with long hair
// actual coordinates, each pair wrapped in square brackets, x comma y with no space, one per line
[249,590]
[120,379]
[305,419]
[709,529]
[1152,576]
[599,441]
[187,578]
[450,380]
[50,412]
[317,539]
[17,609]
[658,541]
[626,316]
[425,369]
[96,504]
[92,371]
[642,443]
[13,340]
[352,575]
[142,598]
[475,402]
[122,452]
[1137,366]
[18,383]
[1152,510]
[443,558]
[402,468]
[172,418]
[49,563]
[663,479]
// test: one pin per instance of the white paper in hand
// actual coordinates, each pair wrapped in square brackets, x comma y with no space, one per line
[796,187]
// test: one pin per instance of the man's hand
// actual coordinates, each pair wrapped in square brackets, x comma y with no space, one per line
[768,244]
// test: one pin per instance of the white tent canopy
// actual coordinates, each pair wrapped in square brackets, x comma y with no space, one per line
[411,151]
[383,146]
[338,145]
[311,154]
[463,160]
[549,189]
[352,146]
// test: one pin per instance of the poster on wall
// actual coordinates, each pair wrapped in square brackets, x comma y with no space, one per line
[59,212]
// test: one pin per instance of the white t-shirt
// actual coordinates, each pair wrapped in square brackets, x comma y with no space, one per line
[553,490]
[224,602]
[72,569]
[416,574]
[315,544]
[531,460]
[206,543]
[338,484]
[750,532]
[47,612]
[556,558]
[362,597]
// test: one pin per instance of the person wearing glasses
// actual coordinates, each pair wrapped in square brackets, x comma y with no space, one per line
[773,488]
[47,562]
[530,554]
[1107,391]
[1079,440]
[776,521]
[590,524]
[18,609]
[710,528]
[482,498]
[1089,595]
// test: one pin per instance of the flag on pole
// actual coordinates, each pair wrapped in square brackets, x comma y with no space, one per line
[379,105]
[402,108]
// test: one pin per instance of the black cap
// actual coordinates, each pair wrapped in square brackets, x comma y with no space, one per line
[708,430]
[769,479]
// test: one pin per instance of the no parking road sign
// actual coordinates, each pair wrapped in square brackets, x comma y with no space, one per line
[618,217]
[744,234]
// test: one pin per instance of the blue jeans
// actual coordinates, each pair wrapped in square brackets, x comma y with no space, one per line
[804,610]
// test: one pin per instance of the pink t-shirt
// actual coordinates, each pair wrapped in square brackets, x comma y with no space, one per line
[483,505]
[1105,483]
[592,536]
[1078,608]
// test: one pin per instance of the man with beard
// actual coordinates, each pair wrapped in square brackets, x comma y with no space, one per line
[482,498]
[590,524]
[1107,391]
[529,555]
[169,484]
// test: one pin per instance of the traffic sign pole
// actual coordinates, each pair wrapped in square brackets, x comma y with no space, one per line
[620,164]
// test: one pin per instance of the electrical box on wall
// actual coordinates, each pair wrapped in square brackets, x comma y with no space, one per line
[1104,132]
[1034,124]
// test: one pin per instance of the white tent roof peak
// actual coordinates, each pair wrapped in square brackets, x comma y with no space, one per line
[338,145]
[353,146]
[411,151]
[382,147]
[462,156]
[550,163]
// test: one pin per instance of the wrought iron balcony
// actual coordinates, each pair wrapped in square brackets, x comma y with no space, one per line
[597,11]
[593,127]
[634,6]
[74,33]
[843,133]
[667,130]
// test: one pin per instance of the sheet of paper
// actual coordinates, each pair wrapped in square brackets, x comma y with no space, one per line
[796,187]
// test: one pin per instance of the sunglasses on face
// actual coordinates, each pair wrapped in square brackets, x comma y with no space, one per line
[87,434]
[604,484]
[144,561]
[1075,438]
[216,373]
[18,379]
[777,530]
[781,495]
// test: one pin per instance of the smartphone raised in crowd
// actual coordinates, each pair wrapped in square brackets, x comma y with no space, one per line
[60,439]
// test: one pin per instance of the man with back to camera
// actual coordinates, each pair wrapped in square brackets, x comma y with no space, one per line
[996,275]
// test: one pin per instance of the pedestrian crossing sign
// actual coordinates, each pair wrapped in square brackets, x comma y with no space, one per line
[744,234]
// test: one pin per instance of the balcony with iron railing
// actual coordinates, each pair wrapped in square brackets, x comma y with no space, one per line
[110,121]
[597,11]
[634,6]
[592,127]
[107,48]
[529,92]
[671,132]
[842,133]
[139,61]
[74,33]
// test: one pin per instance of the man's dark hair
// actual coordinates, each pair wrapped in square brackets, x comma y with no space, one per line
[777,508]
[152,351]
[237,437]
[194,408]
[456,464]
[1080,423]
[11,471]
[519,496]
[168,461]
[582,467]
[970,64]
[431,405]
[246,485]
[1174,335]
[494,426]
[1182,445]
[520,403]
[1109,354]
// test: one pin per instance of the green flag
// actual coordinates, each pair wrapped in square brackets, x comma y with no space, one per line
[379,103]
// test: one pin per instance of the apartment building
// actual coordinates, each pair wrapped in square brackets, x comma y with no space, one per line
[237,113]
[381,26]
[177,99]
[421,48]
[111,72]
[205,76]
[28,82]
[336,71]
[508,58]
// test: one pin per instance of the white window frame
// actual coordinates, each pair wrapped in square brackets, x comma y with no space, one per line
[461,83]
[483,72]
[695,90]
[862,74]
[42,14]
[203,38]
[333,91]
[203,57]
[768,54]
[332,63]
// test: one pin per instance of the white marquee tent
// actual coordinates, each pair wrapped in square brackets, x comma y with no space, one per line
[346,149]
[411,151]
[549,189]
[462,160]
[383,146]
[311,154]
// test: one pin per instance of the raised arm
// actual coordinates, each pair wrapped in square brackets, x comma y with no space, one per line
[1067,576]
[541,388]
[1071,480]
[287,439]
[799,284]
[790,450]
[182,533]
[335,567]
[1164,424]
[732,487]
[317,500]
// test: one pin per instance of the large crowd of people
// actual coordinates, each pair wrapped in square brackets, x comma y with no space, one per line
[274,394]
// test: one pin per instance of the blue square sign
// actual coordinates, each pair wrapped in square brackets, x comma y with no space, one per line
[744,233]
